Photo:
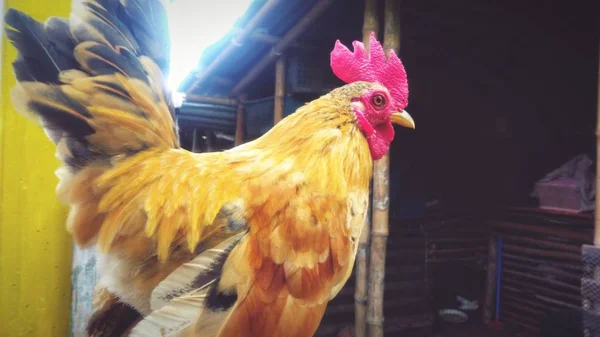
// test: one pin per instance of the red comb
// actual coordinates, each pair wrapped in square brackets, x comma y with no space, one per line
[358,66]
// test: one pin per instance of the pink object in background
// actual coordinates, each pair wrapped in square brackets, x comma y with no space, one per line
[560,194]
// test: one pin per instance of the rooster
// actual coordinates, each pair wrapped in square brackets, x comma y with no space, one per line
[252,241]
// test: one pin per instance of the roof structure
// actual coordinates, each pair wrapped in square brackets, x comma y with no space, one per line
[243,60]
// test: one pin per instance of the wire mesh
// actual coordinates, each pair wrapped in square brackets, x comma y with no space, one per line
[590,290]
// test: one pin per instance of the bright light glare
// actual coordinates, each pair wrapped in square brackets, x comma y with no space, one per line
[194,25]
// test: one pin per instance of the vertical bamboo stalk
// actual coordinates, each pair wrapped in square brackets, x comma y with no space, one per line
[195,140]
[279,90]
[379,234]
[370,21]
[209,143]
[391,32]
[381,191]
[240,124]
[370,24]
[490,285]
[597,209]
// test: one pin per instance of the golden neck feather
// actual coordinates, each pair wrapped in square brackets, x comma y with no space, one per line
[322,140]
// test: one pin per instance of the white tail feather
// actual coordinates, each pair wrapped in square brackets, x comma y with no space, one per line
[181,280]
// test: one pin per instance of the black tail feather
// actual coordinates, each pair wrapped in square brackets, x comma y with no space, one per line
[39,57]
[98,59]
[148,23]
[58,33]
[78,98]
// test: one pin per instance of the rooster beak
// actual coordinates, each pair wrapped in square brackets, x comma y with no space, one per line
[403,119]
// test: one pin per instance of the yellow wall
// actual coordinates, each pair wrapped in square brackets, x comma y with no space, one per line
[35,249]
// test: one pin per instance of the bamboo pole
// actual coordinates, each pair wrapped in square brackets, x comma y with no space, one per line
[305,22]
[370,24]
[209,142]
[490,285]
[195,140]
[279,103]
[211,100]
[240,123]
[379,234]
[597,209]
[588,303]
[381,189]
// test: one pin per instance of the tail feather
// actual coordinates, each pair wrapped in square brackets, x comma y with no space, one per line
[98,59]
[150,28]
[90,22]
[58,33]
[96,81]
[39,57]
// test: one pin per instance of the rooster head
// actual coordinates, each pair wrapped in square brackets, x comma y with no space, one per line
[377,89]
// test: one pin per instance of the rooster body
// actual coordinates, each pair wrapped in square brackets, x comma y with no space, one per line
[253,241]
[285,218]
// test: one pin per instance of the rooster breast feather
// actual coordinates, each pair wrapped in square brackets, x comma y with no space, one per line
[278,274]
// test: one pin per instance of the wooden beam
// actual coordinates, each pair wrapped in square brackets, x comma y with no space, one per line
[240,123]
[211,100]
[285,42]
[279,103]
[381,191]
[224,81]
[370,24]
[272,39]
[260,16]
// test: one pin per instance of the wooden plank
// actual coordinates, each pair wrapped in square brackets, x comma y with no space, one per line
[543,243]
[543,253]
[520,286]
[541,279]
[506,298]
[525,308]
[573,277]
[570,266]
[540,229]
[515,318]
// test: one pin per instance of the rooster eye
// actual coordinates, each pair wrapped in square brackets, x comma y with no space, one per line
[378,100]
